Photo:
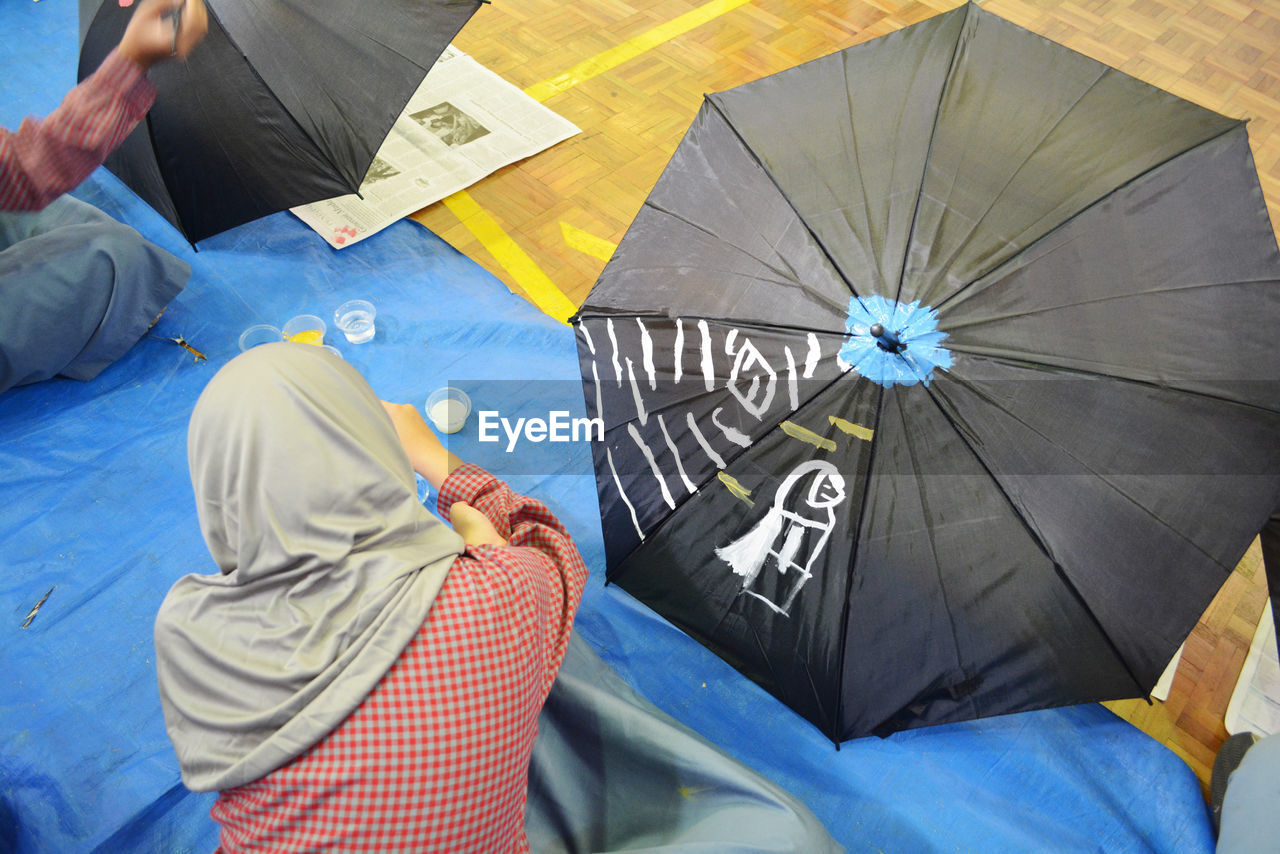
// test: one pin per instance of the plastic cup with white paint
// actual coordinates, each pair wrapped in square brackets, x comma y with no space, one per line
[448,409]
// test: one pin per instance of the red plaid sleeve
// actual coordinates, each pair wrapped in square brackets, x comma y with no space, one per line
[535,540]
[436,758]
[48,157]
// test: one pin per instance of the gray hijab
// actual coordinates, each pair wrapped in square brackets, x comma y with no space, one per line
[329,564]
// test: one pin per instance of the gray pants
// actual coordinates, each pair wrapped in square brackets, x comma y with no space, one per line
[611,772]
[1251,808]
[77,290]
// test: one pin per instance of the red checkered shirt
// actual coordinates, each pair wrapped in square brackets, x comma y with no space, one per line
[436,758]
[48,157]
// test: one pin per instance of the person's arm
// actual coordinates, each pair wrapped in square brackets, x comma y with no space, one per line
[509,533]
[47,157]
[430,459]
[151,37]
[466,491]
[427,454]
[525,523]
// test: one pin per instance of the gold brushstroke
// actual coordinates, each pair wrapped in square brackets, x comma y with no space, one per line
[857,430]
[804,434]
[736,488]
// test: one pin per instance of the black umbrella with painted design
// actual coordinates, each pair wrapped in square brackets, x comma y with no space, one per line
[284,103]
[939,378]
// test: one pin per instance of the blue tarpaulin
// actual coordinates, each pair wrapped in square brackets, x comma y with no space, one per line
[96,511]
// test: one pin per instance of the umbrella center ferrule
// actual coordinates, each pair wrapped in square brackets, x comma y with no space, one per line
[893,343]
[886,340]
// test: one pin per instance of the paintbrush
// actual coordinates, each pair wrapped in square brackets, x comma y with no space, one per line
[177,25]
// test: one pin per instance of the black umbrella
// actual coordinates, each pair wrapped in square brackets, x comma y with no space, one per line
[284,103]
[939,378]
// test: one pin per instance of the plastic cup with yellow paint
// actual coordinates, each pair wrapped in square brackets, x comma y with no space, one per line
[304,329]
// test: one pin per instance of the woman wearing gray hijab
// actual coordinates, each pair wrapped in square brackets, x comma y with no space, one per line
[357,676]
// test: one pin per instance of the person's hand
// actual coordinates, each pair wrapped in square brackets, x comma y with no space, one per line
[149,38]
[473,526]
[426,454]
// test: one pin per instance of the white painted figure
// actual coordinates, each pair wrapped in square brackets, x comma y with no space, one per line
[789,541]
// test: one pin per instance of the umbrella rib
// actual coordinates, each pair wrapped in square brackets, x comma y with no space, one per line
[857,159]
[718,321]
[853,562]
[1115,488]
[175,220]
[994,318]
[977,222]
[730,458]
[826,253]
[966,288]
[735,455]
[1076,459]
[254,71]
[781,275]
[928,154]
[792,284]
[1003,358]
[942,588]
[1035,537]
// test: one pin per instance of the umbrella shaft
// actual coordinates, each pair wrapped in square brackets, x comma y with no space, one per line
[886,340]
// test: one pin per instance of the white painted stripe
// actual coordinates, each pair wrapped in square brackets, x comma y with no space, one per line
[733,434]
[679,350]
[595,375]
[793,392]
[688,484]
[706,446]
[653,465]
[635,393]
[646,350]
[617,368]
[811,360]
[617,482]
[708,369]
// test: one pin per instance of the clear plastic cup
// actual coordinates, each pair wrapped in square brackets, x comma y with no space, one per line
[304,329]
[448,408]
[259,333]
[355,319]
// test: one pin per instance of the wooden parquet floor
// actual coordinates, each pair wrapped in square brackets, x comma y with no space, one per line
[632,73]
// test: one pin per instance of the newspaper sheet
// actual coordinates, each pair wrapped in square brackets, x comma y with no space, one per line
[1165,684]
[463,123]
[1255,703]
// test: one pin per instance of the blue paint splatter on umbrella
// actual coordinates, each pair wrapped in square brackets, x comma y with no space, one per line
[893,343]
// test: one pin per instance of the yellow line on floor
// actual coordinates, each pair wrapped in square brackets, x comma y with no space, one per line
[587,243]
[526,272]
[631,48]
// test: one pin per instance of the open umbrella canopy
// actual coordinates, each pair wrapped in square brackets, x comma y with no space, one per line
[284,103]
[938,378]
